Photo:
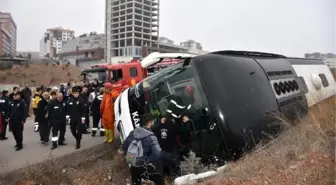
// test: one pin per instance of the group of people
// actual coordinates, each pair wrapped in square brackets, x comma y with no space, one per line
[151,150]
[55,108]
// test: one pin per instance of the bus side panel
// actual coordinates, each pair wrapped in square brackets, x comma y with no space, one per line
[314,95]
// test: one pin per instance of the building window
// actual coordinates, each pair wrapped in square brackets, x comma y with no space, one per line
[133,72]
[130,51]
[325,82]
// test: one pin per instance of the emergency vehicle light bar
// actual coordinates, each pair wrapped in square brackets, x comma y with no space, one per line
[157,57]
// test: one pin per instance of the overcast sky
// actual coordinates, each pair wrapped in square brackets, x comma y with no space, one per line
[290,27]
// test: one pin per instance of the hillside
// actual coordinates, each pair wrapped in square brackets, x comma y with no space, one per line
[40,74]
[303,154]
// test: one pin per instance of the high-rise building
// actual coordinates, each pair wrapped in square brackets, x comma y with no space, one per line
[53,40]
[7,34]
[129,25]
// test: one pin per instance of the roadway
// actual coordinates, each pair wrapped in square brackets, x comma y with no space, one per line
[33,151]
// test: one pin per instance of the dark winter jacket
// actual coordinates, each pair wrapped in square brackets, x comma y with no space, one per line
[26,95]
[4,106]
[42,108]
[18,111]
[167,136]
[151,148]
[57,111]
[76,108]
[95,105]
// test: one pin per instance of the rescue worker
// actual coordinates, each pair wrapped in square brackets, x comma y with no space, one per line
[36,99]
[167,134]
[4,114]
[15,89]
[107,112]
[18,116]
[84,94]
[95,108]
[179,113]
[76,115]
[56,117]
[41,115]
[150,167]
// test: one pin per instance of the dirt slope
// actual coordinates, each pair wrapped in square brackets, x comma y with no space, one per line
[40,74]
[302,155]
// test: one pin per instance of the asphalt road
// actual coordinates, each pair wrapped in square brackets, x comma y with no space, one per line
[33,151]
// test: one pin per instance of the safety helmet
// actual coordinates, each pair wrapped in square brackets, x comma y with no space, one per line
[108,85]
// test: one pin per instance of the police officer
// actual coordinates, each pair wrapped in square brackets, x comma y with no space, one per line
[56,117]
[18,115]
[76,115]
[95,108]
[4,113]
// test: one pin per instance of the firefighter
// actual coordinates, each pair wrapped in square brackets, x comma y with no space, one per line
[180,113]
[41,115]
[36,99]
[56,117]
[4,113]
[18,116]
[76,115]
[84,94]
[107,111]
[95,108]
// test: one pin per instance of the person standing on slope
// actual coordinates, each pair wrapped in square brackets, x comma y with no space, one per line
[107,111]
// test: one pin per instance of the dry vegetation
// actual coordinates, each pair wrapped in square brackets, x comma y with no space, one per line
[40,74]
[303,154]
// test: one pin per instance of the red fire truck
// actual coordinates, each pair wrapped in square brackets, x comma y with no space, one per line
[124,75]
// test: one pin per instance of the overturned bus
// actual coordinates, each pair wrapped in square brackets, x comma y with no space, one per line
[237,97]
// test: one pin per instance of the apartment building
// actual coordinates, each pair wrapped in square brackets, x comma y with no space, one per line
[84,51]
[192,44]
[8,34]
[129,25]
[53,40]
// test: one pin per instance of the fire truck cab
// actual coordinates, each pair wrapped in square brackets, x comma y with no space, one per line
[121,75]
